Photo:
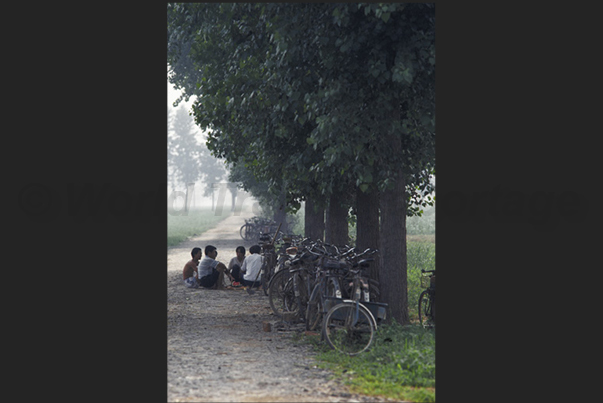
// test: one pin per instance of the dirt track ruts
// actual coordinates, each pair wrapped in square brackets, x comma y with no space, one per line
[217,348]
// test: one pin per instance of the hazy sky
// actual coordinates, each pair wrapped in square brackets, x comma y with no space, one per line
[173,95]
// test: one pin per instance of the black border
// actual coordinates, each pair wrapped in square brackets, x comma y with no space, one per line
[90,100]
[511,122]
[89,106]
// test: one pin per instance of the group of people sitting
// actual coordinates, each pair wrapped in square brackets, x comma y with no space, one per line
[208,272]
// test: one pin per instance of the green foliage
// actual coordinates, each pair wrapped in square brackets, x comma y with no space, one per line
[302,94]
[420,255]
[296,222]
[422,225]
[316,100]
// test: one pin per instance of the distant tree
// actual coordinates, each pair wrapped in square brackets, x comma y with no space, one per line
[171,171]
[188,159]
[184,151]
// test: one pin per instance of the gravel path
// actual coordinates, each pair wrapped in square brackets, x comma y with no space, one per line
[218,350]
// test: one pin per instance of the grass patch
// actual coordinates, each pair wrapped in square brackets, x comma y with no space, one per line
[421,238]
[400,364]
[180,228]
[419,255]
[423,225]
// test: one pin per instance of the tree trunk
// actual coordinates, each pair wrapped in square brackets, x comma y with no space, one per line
[314,221]
[280,212]
[367,224]
[336,231]
[392,270]
[233,193]
[393,267]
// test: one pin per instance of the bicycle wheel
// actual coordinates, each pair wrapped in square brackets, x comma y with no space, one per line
[246,232]
[268,271]
[276,292]
[300,284]
[314,309]
[289,299]
[426,317]
[265,277]
[349,328]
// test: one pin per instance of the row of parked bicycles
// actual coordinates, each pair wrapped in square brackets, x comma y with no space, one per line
[328,288]
[324,287]
[255,226]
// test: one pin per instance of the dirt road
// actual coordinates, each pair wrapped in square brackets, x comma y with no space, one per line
[217,348]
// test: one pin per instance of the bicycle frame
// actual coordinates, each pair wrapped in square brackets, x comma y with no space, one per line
[427,300]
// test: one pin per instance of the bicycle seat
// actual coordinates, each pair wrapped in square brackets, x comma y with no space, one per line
[334,264]
[365,262]
[309,257]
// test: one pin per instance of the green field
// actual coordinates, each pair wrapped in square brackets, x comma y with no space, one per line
[180,228]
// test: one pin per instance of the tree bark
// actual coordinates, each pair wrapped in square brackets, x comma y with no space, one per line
[336,231]
[233,193]
[280,211]
[393,267]
[367,224]
[314,221]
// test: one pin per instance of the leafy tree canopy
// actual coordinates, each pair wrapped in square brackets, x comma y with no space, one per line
[301,94]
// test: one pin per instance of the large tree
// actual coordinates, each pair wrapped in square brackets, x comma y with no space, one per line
[323,101]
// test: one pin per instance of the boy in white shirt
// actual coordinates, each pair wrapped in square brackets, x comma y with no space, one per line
[252,266]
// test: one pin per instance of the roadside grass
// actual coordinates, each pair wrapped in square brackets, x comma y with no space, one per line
[421,238]
[180,228]
[425,224]
[419,255]
[401,362]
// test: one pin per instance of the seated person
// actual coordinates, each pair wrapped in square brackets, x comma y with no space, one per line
[252,266]
[211,272]
[189,273]
[235,266]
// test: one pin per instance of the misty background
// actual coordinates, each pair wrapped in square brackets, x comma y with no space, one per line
[213,170]
[194,176]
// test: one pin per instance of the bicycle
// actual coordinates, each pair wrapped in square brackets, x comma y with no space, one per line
[350,324]
[268,261]
[302,282]
[281,294]
[269,256]
[427,299]
[357,285]
[254,226]
[327,284]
